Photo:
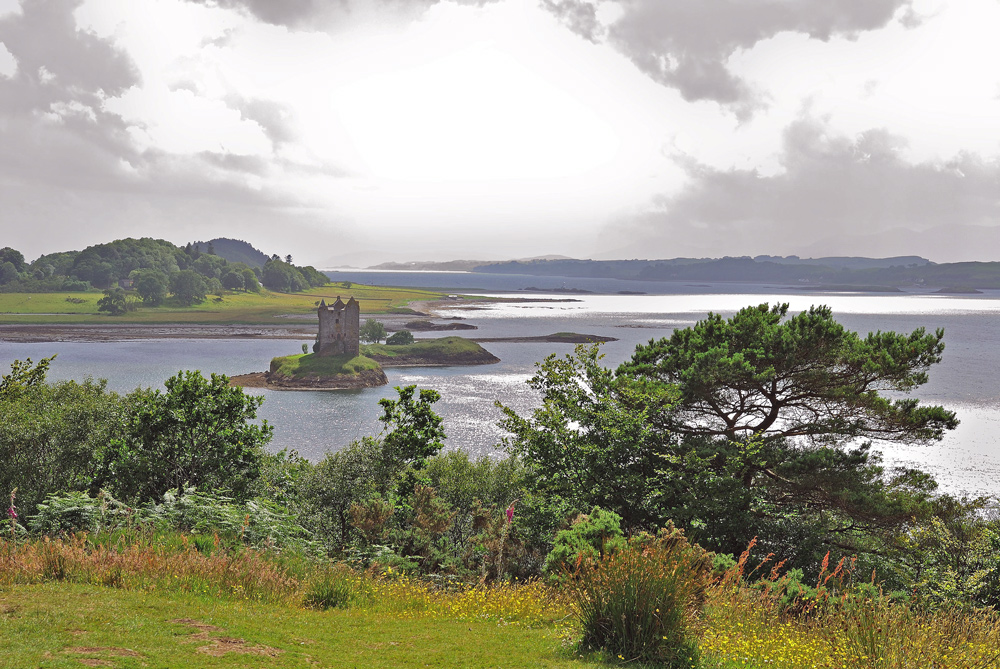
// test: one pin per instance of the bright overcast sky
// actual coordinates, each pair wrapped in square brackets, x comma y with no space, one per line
[355,131]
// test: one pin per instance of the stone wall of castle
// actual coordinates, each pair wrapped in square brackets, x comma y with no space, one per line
[339,328]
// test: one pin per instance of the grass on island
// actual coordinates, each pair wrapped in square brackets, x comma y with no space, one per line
[436,347]
[264,308]
[311,365]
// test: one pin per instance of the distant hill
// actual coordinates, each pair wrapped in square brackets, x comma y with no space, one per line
[847,262]
[835,271]
[451,265]
[235,250]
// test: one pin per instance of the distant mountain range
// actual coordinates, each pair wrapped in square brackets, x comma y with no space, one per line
[847,272]
[862,273]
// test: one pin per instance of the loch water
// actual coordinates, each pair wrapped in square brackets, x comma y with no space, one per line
[315,422]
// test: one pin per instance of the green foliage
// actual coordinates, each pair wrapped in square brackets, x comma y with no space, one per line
[200,432]
[8,273]
[741,427]
[113,302]
[14,257]
[52,435]
[953,558]
[24,377]
[287,278]
[372,331]
[589,538]
[400,338]
[755,375]
[353,475]
[188,287]
[332,589]
[78,511]
[104,264]
[255,522]
[414,431]
[640,602]
[233,280]
[250,283]
[151,285]
[471,488]
[595,441]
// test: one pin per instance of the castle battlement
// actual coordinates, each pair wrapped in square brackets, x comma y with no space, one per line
[339,328]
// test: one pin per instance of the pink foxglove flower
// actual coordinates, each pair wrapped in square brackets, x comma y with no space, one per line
[510,511]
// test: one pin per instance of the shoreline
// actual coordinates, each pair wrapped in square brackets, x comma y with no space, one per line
[27,333]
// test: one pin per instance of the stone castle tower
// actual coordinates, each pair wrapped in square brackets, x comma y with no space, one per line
[339,328]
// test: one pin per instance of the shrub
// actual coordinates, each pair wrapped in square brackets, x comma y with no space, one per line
[640,602]
[589,538]
[403,337]
[332,589]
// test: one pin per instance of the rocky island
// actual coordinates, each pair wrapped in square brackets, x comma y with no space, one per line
[339,362]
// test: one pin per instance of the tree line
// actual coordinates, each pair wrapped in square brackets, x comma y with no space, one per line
[154,268]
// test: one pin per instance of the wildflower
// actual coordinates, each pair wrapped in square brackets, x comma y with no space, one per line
[510,511]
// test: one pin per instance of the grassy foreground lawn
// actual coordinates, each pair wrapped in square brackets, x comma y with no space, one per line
[301,366]
[73,625]
[251,308]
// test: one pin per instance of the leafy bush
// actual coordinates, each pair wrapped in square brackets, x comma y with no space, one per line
[639,603]
[589,538]
[259,523]
[401,338]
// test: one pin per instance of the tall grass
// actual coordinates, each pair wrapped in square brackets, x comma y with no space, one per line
[148,565]
[642,602]
[842,627]
[201,564]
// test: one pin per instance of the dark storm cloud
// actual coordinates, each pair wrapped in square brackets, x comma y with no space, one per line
[833,188]
[685,44]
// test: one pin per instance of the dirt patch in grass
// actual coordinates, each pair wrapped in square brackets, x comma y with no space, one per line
[108,650]
[197,625]
[221,645]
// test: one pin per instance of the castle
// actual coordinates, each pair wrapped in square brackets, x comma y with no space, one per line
[339,328]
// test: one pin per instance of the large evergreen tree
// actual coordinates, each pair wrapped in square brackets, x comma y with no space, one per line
[753,425]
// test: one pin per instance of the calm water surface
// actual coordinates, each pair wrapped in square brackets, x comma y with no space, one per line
[967,381]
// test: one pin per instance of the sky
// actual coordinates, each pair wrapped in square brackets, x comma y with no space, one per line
[350,132]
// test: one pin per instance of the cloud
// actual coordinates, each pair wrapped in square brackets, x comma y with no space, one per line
[72,170]
[833,192]
[317,14]
[685,44]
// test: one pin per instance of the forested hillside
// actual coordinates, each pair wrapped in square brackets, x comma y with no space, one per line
[155,269]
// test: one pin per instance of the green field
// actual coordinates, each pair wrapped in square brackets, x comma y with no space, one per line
[55,625]
[311,365]
[232,308]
